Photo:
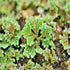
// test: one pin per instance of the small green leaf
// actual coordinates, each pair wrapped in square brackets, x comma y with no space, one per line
[68,51]
[30,41]
[33,53]
[65,46]
[4,44]
[39,50]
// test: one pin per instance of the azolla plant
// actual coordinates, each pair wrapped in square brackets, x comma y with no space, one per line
[36,32]
[30,65]
[65,40]
[11,32]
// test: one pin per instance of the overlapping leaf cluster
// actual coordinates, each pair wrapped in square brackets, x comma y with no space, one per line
[11,33]
[32,66]
[44,41]
[9,37]
[65,40]
[6,6]
[36,31]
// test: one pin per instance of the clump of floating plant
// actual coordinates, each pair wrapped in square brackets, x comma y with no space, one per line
[50,56]
[35,32]
[11,34]
[31,65]
[27,66]
[65,39]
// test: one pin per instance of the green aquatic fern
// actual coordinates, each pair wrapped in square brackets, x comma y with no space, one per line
[31,32]
[8,57]
[35,26]
[50,55]
[27,66]
[67,8]
[32,66]
[22,4]
[11,34]
[31,51]
[64,40]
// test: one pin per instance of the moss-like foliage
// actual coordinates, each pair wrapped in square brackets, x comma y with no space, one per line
[8,57]
[6,8]
[67,8]
[11,33]
[30,65]
[9,37]
[64,40]
[36,29]
[36,36]
[50,57]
